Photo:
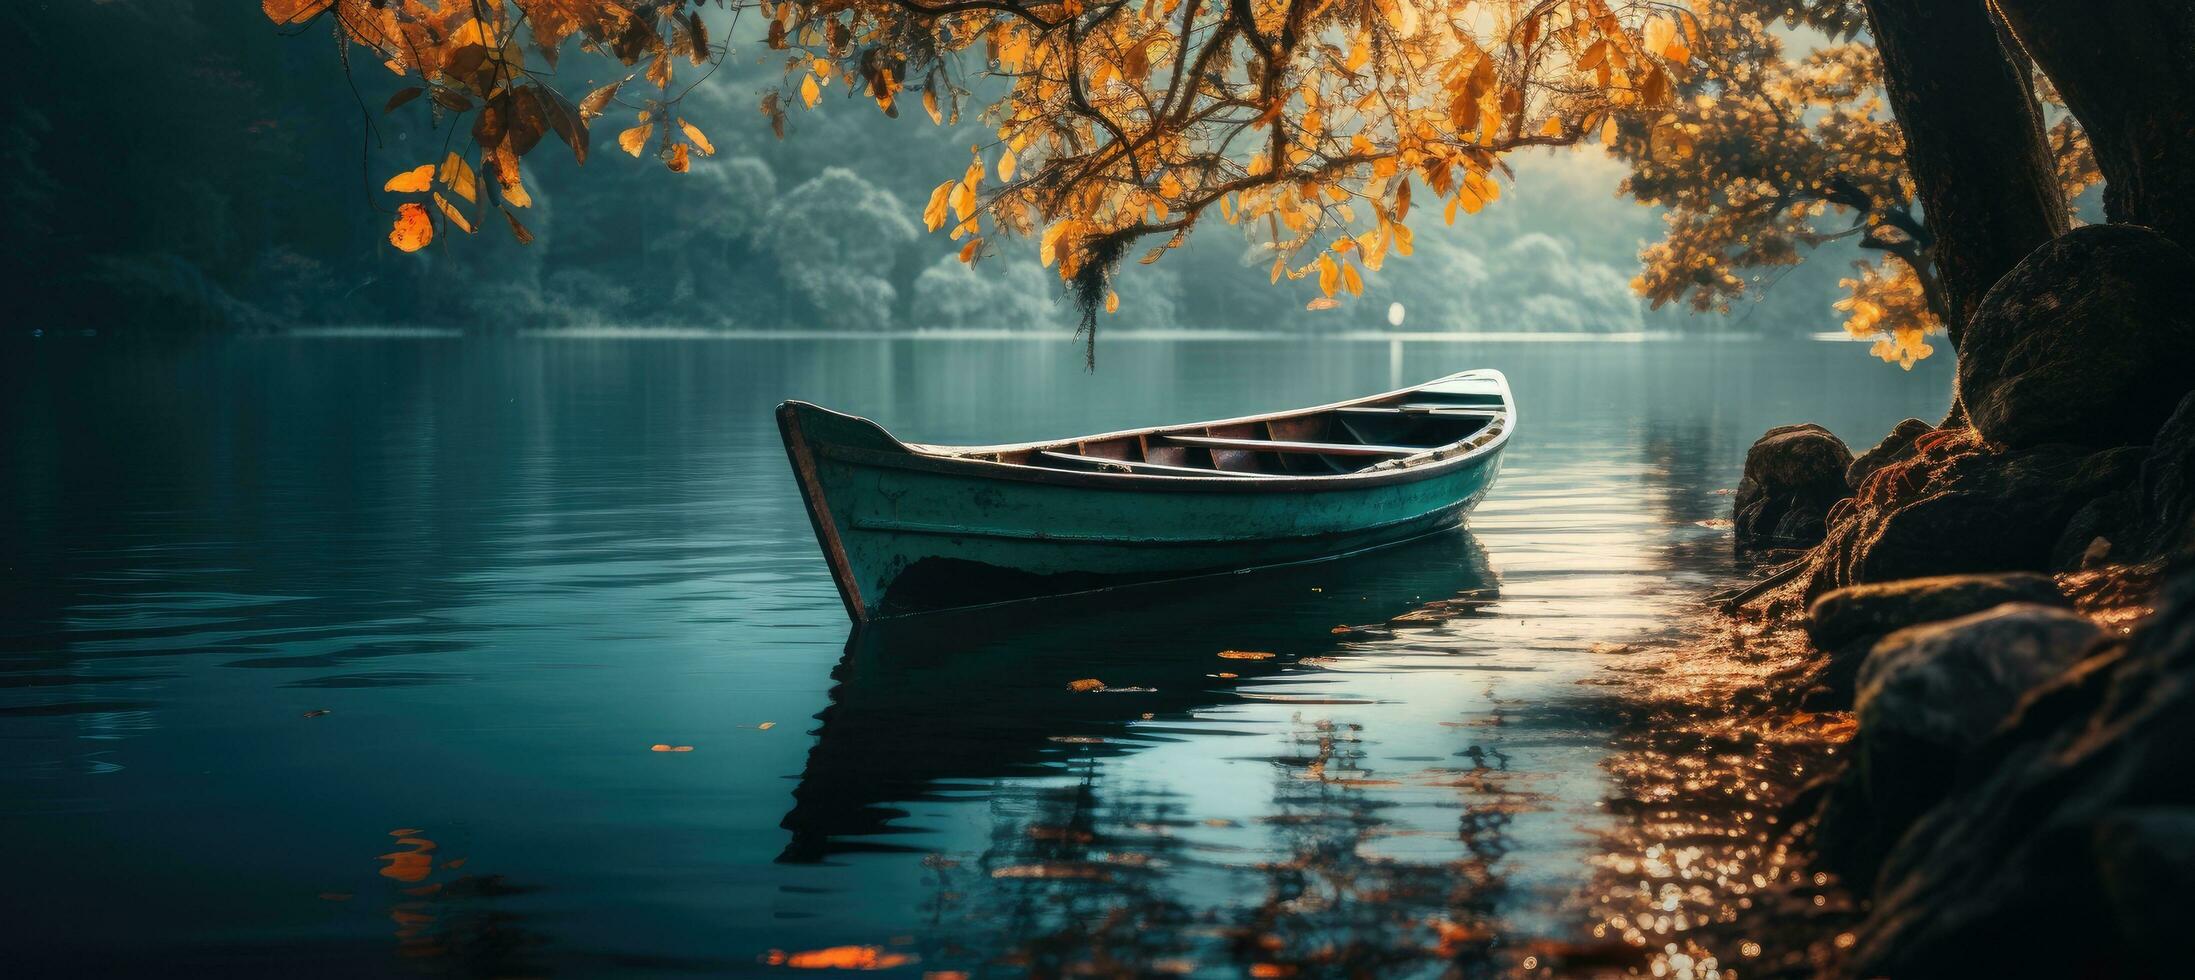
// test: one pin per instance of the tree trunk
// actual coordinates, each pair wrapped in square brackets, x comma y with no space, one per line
[2127,71]
[1973,142]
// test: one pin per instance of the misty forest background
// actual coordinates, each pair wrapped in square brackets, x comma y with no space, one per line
[213,172]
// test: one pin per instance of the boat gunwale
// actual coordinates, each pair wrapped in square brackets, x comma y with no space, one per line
[959,461]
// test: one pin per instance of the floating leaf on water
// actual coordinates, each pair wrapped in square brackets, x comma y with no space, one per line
[1225,675]
[413,229]
[404,832]
[667,747]
[1085,685]
[414,181]
[1321,303]
[319,712]
[841,958]
[1057,870]
[766,726]
[1076,739]
[1245,655]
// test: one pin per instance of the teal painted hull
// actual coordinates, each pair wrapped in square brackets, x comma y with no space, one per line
[910,532]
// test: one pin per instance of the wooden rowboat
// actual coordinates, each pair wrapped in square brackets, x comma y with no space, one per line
[911,528]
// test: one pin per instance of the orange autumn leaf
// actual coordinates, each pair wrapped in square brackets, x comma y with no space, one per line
[518,231]
[288,12]
[452,214]
[1085,685]
[458,176]
[414,181]
[668,747]
[678,161]
[841,958]
[701,142]
[413,229]
[635,139]
[1245,655]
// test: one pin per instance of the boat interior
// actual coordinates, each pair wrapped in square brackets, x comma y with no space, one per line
[1385,432]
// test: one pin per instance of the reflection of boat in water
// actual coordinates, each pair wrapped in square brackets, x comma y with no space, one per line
[925,709]
[911,528]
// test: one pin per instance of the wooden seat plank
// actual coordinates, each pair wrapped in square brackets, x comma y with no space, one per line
[1311,448]
[1139,466]
[1442,411]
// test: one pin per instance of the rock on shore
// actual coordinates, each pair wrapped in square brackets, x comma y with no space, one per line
[2065,843]
[2087,341]
[1928,695]
[1793,474]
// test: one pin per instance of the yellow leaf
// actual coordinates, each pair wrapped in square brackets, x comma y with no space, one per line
[413,229]
[965,201]
[1553,127]
[1048,249]
[659,72]
[968,251]
[701,142]
[678,161]
[810,92]
[1350,280]
[457,175]
[515,195]
[1086,685]
[1329,275]
[1321,303]
[636,138]
[451,212]
[933,214]
[1006,165]
[929,105]
[1112,302]
[1660,31]
[414,181]
[1609,130]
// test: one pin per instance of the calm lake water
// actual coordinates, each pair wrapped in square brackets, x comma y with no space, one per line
[347,656]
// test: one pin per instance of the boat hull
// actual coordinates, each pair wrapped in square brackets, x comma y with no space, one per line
[908,533]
